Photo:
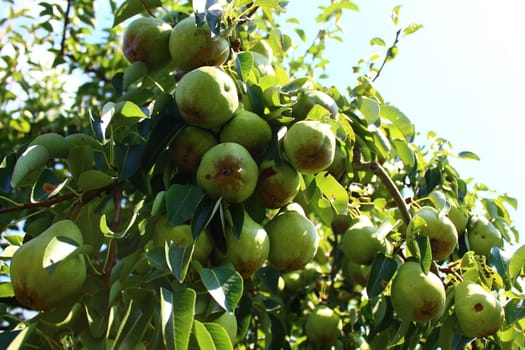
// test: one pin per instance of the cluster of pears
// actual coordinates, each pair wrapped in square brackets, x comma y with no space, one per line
[224,147]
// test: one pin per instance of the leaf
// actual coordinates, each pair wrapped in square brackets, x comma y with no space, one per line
[177,310]
[517,263]
[128,158]
[412,28]
[425,252]
[381,272]
[404,152]
[276,4]
[468,155]
[498,261]
[514,311]
[202,336]
[57,251]
[333,191]
[369,108]
[399,120]
[244,64]
[224,284]
[203,214]
[237,215]
[220,337]
[178,259]
[133,326]
[6,290]
[130,8]
[182,202]
[377,41]
[136,71]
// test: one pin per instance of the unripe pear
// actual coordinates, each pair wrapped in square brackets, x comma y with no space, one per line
[309,145]
[181,236]
[228,170]
[323,326]
[188,147]
[482,235]
[307,100]
[206,97]
[33,158]
[192,46]
[361,242]
[249,130]
[229,322]
[55,143]
[456,214]
[277,184]
[479,313]
[146,39]
[438,227]
[40,289]
[293,240]
[250,251]
[417,296]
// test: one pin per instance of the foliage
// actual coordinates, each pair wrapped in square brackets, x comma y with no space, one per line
[113,176]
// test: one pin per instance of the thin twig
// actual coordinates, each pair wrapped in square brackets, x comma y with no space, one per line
[396,40]
[64,30]
[380,172]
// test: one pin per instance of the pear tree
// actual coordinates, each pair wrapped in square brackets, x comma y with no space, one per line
[187,177]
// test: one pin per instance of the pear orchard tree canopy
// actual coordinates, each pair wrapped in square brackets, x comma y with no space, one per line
[202,189]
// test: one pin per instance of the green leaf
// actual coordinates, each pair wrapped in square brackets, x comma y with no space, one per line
[178,259]
[130,8]
[181,202]
[202,336]
[136,71]
[468,155]
[244,64]
[369,108]
[424,252]
[220,337]
[237,216]
[399,120]
[128,158]
[517,263]
[333,191]
[130,110]
[381,272]
[176,311]
[203,214]
[412,28]
[224,284]
[514,311]
[404,152]
[377,41]
[133,326]
[57,251]
[276,4]
[6,290]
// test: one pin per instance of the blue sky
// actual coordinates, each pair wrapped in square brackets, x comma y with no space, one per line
[462,75]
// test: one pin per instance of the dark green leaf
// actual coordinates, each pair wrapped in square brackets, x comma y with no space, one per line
[203,214]
[130,8]
[178,260]
[514,311]
[128,159]
[133,326]
[425,252]
[224,284]
[176,311]
[237,216]
[381,272]
[182,201]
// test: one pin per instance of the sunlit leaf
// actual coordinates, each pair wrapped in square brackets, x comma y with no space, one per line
[224,284]
[468,155]
[176,312]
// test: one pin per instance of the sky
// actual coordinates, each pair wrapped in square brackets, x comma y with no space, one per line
[462,75]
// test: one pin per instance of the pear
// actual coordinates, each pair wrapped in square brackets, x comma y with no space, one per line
[440,230]
[417,296]
[482,235]
[293,240]
[41,289]
[323,326]
[478,311]
[361,242]
[250,251]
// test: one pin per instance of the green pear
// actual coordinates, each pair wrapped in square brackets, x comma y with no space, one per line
[228,170]
[250,251]
[249,130]
[361,242]
[338,166]
[181,236]
[146,39]
[277,184]
[309,145]
[479,313]
[56,144]
[206,97]
[192,46]
[440,230]
[41,289]
[456,214]
[293,240]
[355,273]
[482,235]
[417,296]
[188,147]
[307,100]
[323,326]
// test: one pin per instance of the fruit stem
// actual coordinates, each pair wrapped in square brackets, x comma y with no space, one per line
[387,57]
[380,172]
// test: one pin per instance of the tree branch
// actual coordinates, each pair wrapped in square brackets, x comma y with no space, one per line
[380,172]
[64,30]
[387,57]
